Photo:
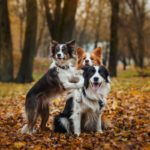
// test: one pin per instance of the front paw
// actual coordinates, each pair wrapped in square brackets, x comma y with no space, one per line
[67,85]
[77,133]
[99,131]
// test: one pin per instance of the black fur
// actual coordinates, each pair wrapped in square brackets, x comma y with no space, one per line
[104,73]
[58,127]
[87,74]
[101,104]
[37,98]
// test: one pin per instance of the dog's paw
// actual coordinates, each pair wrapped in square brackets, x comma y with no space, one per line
[100,131]
[77,133]
[69,85]
[25,130]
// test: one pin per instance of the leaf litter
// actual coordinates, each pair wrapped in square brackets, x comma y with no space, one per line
[127,118]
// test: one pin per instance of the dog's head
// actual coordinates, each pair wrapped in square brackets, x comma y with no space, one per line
[62,52]
[95,77]
[88,59]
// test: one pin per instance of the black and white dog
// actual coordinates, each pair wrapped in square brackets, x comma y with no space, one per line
[84,107]
[56,80]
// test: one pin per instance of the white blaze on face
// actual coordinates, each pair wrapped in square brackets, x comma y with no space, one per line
[88,60]
[96,80]
[60,54]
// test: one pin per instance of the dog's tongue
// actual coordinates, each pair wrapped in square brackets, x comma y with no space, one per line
[95,86]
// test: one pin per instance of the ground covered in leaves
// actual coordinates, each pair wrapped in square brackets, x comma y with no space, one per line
[127,117]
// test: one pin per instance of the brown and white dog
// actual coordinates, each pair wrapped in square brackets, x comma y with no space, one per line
[88,59]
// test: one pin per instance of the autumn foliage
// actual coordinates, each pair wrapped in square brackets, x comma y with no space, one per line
[126,117]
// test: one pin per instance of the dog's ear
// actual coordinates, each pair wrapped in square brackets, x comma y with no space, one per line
[52,47]
[80,52]
[97,51]
[105,74]
[71,47]
[71,44]
[54,42]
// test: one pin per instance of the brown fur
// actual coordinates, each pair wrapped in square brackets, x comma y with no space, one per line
[96,57]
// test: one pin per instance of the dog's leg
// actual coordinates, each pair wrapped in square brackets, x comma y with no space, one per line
[99,124]
[31,124]
[29,128]
[81,81]
[31,108]
[69,85]
[76,118]
[44,116]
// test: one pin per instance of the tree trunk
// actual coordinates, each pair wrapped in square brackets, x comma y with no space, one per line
[26,66]
[6,59]
[49,19]
[61,25]
[141,45]
[21,34]
[114,38]
[138,9]
[67,20]
[131,48]
[81,40]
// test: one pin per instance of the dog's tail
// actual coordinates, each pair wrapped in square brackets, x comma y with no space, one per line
[61,124]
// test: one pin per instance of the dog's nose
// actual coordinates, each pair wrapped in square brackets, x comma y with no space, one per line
[58,55]
[96,79]
[86,61]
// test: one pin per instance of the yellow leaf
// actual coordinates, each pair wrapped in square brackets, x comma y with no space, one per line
[19,145]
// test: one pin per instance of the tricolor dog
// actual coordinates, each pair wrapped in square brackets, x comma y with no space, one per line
[59,77]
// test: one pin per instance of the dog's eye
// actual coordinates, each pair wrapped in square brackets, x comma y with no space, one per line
[57,49]
[84,58]
[92,58]
[63,49]
[93,71]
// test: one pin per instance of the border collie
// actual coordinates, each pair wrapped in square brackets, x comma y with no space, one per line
[84,107]
[57,79]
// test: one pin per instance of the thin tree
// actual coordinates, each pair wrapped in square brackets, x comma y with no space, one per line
[6,60]
[138,9]
[114,37]
[29,50]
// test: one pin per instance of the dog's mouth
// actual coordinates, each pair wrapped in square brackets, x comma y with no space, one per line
[87,64]
[96,85]
[60,58]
